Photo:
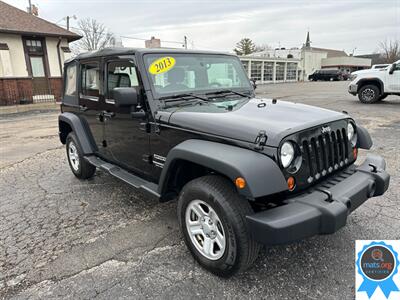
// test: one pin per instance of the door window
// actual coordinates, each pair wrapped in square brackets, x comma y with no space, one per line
[37,66]
[90,80]
[120,74]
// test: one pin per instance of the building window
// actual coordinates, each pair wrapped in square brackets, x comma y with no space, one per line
[268,71]
[37,66]
[291,71]
[34,46]
[280,71]
[256,70]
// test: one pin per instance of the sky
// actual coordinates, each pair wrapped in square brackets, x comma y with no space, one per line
[356,25]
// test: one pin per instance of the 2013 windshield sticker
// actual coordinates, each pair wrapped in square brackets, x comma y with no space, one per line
[162,65]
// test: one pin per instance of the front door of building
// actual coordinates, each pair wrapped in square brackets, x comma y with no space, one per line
[40,84]
[35,52]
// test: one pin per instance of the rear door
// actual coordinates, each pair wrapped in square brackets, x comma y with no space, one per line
[126,138]
[90,100]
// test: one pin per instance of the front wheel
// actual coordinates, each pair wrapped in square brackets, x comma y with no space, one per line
[368,94]
[212,218]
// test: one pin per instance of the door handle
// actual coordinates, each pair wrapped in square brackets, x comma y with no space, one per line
[108,114]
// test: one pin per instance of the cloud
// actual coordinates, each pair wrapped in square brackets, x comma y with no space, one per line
[219,24]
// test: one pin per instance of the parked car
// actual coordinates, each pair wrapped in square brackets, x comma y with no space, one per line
[185,125]
[331,75]
[375,84]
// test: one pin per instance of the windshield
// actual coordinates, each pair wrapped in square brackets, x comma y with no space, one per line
[194,73]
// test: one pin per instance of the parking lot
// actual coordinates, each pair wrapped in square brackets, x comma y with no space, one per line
[65,238]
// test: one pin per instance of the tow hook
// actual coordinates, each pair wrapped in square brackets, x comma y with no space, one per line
[374,168]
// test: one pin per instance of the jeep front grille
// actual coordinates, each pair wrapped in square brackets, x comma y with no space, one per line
[325,153]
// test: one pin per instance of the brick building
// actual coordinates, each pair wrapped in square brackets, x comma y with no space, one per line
[32,54]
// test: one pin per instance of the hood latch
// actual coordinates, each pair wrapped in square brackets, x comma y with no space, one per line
[261,140]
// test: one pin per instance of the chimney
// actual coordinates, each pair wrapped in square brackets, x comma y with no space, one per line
[33,10]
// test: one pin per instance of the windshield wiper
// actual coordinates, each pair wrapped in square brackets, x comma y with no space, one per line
[177,97]
[229,92]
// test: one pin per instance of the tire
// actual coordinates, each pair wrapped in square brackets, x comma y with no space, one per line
[368,94]
[80,167]
[227,211]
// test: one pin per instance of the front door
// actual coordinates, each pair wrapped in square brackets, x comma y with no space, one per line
[36,59]
[126,139]
[40,83]
[393,80]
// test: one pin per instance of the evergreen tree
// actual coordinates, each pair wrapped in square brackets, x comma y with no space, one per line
[245,46]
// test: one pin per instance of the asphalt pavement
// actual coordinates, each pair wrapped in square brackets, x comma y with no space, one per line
[62,238]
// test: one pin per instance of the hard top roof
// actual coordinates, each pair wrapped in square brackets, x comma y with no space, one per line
[132,51]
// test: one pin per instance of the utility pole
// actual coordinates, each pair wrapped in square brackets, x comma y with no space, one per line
[30,7]
[67,18]
[185,42]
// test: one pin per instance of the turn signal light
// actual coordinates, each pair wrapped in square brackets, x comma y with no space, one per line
[240,183]
[355,152]
[291,183]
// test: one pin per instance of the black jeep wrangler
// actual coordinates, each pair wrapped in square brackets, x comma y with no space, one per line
[246,171]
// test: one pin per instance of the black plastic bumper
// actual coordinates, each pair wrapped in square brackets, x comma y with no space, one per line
[324,210]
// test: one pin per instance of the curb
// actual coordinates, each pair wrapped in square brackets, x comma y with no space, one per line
[15,109]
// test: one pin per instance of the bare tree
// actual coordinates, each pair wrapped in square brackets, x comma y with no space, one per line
[390,51]
[95,36]
[262,47]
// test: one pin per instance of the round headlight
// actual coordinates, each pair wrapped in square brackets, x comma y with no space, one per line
[351,133]
[287,154]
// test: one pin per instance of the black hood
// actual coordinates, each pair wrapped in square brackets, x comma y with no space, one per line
[244,123]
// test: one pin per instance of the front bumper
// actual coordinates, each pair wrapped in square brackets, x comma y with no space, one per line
[323,210]
[353,89]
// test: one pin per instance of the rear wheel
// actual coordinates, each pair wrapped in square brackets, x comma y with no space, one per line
[79,166]
[212,217]
[368,94]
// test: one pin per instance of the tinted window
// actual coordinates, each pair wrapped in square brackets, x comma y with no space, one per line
[90,79]
[120,74]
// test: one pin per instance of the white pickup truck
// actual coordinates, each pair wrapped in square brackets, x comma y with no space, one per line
[376,84]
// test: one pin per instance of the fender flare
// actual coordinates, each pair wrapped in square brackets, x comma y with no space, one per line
[81,130]
[361,82]
[262,174]
[364,140]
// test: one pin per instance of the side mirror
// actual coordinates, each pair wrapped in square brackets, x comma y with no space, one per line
[393,66]
[253,82]
[125,96]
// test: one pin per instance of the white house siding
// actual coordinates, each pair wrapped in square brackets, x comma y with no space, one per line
[54,65]
[16,55]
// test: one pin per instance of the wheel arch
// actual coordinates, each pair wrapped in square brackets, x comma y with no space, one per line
[374,81]
[263,176]
[69,122]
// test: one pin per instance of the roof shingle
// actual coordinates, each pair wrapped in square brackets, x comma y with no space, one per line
[14,20]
